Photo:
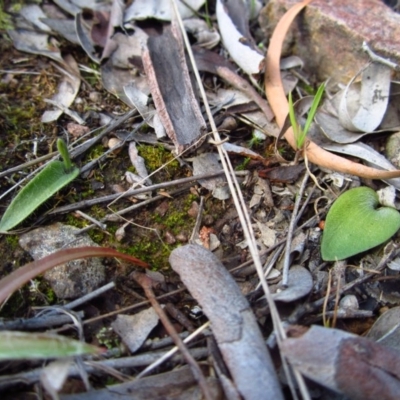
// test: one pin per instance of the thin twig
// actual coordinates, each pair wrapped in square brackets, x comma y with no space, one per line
[171,352]
[123,310]
[145,282]
[292,225]
[375,58]
[89,296]
[116,216]
[196,229]
[133,192]
[138,361]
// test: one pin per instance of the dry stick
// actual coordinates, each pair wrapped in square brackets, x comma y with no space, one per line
[292,225]
[92,163]
[74,153]
[279,104]
[171,352]
[27,164]
[84,299]
[240,204]
[138,361]
[122,310]
[36,322]
[145,282]
[91,202]
[115,216]
[107,129]
[233,184]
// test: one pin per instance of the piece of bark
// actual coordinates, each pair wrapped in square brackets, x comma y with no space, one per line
[284,174]
[173,94]
[346,363]
[233,323]
[213,63]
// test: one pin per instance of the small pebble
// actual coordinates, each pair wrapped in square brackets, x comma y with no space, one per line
[193,210]
[95,97]
[169,238]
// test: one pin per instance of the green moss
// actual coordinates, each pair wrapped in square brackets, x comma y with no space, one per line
[151,250]
[12,242]
[243,165]
[149,245]
[156,157]
[5,19]
[108,338]
[71,220]
[97,235]
[95,152]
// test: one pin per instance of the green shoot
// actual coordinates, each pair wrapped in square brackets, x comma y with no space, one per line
[63,149]
[299,132]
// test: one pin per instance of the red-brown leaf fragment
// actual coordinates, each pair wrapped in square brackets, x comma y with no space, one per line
[348,364]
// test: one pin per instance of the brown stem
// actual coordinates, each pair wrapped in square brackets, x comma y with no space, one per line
[145,282]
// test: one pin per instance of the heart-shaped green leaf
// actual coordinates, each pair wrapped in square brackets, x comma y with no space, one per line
[355,224]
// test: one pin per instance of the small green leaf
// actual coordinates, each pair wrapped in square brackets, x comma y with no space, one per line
[314,107]
[300,132]
[63,150]
[46,183]
[355,224]
[16,345]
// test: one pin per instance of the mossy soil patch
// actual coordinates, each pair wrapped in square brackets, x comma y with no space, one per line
[150,235]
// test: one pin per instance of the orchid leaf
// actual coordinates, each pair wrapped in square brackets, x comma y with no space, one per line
[15,345]
[45,184]
[355,223]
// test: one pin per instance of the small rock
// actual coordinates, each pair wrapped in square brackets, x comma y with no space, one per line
[193,210]
[329,34]
[162,209]
[134,329]
[349,302]
[73,279]
[77,130]
[169,238]
[182,237]
[393,149]
[208,220]
[95,97]
[114,142]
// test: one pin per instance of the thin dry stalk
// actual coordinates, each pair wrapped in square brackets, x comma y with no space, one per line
[171,352]
[242,212]
[292,226]
[145,282]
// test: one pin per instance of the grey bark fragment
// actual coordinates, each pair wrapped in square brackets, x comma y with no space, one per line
[232,321]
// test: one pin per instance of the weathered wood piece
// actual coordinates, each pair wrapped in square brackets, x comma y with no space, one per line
[173,94]
[232,321]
